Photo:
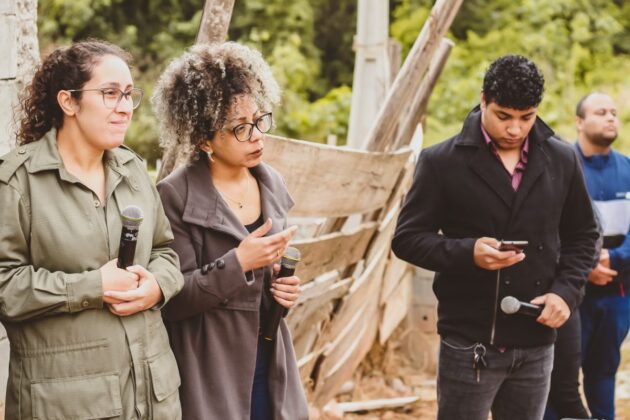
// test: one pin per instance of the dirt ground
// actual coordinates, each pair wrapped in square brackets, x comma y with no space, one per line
[391,375]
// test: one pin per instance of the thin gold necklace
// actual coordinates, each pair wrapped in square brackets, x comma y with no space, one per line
[240,203]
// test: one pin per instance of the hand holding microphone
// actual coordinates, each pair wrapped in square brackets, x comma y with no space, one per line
[549,309]
[114,277]
[285,293]
[510,305]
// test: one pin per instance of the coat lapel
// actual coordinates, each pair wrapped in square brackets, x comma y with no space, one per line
[537,162]
[483,162]
[486,165]
[205,207]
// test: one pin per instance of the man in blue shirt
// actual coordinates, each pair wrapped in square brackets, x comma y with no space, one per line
[605,311]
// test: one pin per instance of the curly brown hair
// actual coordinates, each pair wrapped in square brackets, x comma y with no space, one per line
[193,96]
[65,68]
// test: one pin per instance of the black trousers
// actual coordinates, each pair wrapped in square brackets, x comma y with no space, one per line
[564,395]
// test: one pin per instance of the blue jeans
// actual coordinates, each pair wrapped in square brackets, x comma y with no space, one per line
[605,323]
[514,385]
[261,406]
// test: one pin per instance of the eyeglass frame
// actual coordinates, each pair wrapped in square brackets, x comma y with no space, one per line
[120,96]
[252,125]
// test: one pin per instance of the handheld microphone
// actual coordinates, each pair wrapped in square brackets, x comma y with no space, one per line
[287,268]
[131,218]
[510,305]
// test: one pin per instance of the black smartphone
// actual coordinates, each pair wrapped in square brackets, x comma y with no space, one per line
[518,246]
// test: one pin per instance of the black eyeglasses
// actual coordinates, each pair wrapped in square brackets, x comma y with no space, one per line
[243,132]
[113,96]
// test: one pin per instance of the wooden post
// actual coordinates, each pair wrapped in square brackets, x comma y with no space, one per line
[213,28]
[418,107]
[215,21]
[408,80]
[20,55]
[371,78]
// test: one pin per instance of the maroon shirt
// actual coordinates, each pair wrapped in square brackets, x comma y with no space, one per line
[517,176]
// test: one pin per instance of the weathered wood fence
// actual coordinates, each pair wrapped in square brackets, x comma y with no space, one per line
[355,291]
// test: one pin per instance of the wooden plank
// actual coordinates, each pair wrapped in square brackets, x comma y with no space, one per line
[357,314]
[394,273]
[327,386]
[334,251]
[329,181]
[396,307]
[417,111]
[408,79]
[351,407]
[300,317]
[318,286]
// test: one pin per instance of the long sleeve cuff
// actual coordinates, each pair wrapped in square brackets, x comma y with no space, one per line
[85,291]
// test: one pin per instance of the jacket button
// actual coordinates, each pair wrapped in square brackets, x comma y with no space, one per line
[507,282]
[97,204]
[85,303]
[540,247]
[21,151]
[207,267]
[220,264]
[537,282]
[224,302]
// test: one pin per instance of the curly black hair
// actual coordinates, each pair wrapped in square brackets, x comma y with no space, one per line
[193,96]
[514,81]
[65,68]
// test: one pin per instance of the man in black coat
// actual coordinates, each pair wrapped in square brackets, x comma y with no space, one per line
[503,177]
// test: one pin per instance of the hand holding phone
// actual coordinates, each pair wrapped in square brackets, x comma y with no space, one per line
[517,246]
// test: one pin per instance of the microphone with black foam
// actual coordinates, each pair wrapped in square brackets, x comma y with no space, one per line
[289,261]
[510,305]
[131,216]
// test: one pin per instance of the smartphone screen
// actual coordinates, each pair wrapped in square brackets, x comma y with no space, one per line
[518,246]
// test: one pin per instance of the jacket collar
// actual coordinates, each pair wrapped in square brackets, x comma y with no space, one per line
[471,131]
[45,157]
[485,164]
[205,207]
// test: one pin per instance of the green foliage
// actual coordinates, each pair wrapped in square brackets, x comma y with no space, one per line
[579,45]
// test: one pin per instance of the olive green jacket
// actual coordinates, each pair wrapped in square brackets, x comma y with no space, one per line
[71,358]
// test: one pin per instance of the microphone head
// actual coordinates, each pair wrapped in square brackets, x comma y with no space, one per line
[132,216]
[291,257]
[510,305]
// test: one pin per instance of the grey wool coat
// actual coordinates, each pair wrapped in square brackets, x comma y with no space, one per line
[213,323]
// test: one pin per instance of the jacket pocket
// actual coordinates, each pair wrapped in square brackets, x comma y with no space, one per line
[84,397]
[164,375]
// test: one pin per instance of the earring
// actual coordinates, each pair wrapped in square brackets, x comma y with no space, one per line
[210,158]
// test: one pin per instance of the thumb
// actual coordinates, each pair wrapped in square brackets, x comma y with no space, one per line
[262,231]
[539,300]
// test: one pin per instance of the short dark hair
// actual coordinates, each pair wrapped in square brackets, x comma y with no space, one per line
[514,81]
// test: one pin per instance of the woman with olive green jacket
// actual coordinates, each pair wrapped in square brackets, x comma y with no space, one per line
[87,338]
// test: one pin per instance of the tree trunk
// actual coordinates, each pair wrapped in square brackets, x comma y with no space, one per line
[19,50]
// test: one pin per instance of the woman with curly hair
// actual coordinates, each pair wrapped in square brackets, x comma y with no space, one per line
[87,339]
[228,213]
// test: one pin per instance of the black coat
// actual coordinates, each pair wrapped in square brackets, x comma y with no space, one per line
[462,189]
